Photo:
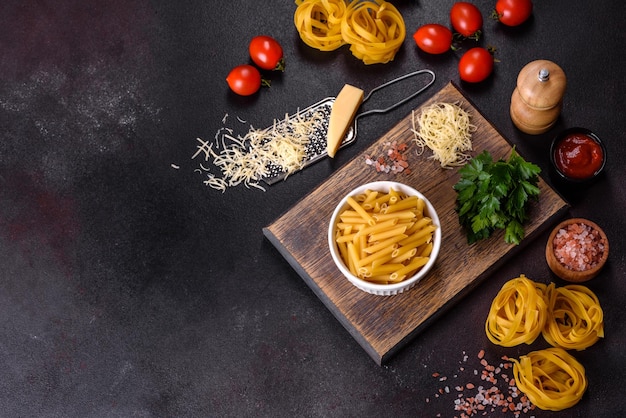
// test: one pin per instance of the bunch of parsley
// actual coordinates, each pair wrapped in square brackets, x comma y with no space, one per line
[495,195]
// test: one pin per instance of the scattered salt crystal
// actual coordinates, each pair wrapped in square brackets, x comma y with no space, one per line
[471,401]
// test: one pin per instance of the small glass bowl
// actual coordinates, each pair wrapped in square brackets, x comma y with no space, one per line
[563,177]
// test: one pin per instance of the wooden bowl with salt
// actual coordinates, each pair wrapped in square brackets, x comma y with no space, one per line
[577,250]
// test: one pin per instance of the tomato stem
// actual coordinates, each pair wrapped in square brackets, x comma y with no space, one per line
[495,15]
[474,37]
[280,65]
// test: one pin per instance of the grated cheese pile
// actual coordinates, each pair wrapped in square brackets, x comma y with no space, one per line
[445,128]
[247,160]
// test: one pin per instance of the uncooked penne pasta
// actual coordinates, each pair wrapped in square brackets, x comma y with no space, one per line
[387,268]
[382,260]
[353,258]
[394,196]
[425,250]
[346,237]
[380,245]
[389,233]
[362,212]
[384,237]
[381,226]
[408,203]
[382,199]
[378,254]
[399,257]
[368,201]
[353,221]
[405,214]
[408,269]
[425,232]
[419,225]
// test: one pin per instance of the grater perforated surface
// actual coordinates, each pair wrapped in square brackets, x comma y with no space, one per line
[315,150]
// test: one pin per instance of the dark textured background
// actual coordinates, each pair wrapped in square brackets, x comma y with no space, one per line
[129,288]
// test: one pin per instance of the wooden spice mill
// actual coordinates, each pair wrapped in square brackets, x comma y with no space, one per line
[538,97]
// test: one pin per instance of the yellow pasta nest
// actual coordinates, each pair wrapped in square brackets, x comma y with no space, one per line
[517,314]
[374,29]
[319,23]
[384,237]
[576,318]
[569,317]
[551,378]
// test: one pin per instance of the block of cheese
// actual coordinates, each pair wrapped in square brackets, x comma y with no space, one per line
[341,116]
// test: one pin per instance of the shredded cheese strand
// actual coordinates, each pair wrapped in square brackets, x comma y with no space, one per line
[518,313]
[551,378]
[446,129]
[575,319]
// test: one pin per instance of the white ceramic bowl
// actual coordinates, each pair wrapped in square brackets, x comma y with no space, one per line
[375,288]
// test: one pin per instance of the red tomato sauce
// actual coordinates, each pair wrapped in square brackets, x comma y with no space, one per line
[578,156]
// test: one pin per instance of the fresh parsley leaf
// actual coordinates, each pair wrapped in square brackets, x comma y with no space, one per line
[531,189]
[516,203]
[514,233]
[495,195]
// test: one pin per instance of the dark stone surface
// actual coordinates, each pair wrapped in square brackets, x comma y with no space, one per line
[129,288]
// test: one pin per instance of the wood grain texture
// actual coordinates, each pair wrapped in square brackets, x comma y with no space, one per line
[383,324]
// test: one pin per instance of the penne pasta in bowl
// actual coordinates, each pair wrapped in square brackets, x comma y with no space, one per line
[384,237]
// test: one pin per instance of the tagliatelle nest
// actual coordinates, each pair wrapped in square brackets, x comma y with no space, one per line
[374,29]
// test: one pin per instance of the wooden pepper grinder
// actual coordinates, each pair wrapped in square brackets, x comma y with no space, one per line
[538,98]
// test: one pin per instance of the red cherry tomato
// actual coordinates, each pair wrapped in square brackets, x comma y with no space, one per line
[267,53]
[475,65]
[513,12]
[433,38]
[466,19]
[244,80]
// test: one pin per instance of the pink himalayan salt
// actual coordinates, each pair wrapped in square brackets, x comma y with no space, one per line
[578,247]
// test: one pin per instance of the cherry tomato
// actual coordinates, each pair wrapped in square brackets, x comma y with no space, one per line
[475,65]
[433,38]
[466,19]
[244,80]
[267,53]
[513,12]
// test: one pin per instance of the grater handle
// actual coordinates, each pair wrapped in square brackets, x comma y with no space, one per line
[401,102]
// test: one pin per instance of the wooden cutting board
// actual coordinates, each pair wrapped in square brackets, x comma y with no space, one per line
[383,324]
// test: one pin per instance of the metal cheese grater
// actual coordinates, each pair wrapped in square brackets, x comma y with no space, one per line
[316,148]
